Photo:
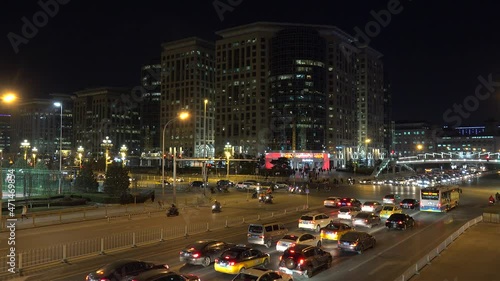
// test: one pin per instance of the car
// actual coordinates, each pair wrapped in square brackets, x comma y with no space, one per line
[292,239]
[198,184]
[227,183]
[314,221]
[347,212]
[304,260]
[165,182]
[236,259]
[162,275]
[365,219]
[122,269]
[203,252]
[262,274]
[177,179]
[332,202]
[365,181]
[390,199]
[282,185]
[371,206]
[356,241]
[334,230]
[388,210]
[409,203]
[242,185]
[350,202]
[399,221]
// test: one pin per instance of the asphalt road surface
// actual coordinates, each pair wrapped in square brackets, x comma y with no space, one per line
[394,253]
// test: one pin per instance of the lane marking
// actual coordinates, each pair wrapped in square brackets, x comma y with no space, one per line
[397,244]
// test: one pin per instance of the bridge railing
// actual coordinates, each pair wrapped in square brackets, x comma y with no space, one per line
[426,260]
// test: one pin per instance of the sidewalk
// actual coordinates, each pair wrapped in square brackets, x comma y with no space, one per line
[474,255]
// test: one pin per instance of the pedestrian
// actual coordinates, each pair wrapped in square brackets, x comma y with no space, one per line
[160,204]
[24,213]
[153,197]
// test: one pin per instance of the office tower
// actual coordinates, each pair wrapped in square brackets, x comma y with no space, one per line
[150,107]
[187,80]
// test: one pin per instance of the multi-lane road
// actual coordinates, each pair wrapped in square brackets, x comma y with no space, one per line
[394,253]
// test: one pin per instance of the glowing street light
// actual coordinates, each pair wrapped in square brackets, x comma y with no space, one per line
[80,151]
[25,145]
[106,144]
[182,116]
[34,150]
[60,105]
[123,153]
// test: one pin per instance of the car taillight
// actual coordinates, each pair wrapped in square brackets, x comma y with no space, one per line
[400,204]
[400,222]
[439,205]
[104,279]
[366,220]
[411,204]
[292,245]
[292,251]
[313,222]
[232,263]
[348,204]
[261,236]
[196,255]
[281,258]
[301,261]
[216,260]
[335,233]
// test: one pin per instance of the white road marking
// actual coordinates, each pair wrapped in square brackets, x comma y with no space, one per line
[395,245]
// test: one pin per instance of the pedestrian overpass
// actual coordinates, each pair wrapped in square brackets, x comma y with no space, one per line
[403,163]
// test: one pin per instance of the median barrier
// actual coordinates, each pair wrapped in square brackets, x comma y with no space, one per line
[415,268]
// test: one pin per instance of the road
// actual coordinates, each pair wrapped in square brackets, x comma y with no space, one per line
[395,250]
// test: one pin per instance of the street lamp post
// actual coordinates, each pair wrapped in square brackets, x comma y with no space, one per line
[60,105]
[367,142]
[6,98]
[228,154]
[80,151]
[34,150]
[204,169]
[182,116]
[106,143]
[123,153]
[25,145]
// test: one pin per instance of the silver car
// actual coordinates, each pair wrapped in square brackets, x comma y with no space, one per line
[365,219]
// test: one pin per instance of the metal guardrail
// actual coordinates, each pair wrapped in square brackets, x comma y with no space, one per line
[426,260]
[26,260]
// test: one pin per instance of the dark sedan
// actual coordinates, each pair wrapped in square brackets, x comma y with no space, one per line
[350,202]
[356,241]
[203,252]
[399,221]
[199,184]
[122,269]
[162,275]
[409,203]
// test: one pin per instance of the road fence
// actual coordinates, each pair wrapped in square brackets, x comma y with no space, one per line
[426,260]
[31,259]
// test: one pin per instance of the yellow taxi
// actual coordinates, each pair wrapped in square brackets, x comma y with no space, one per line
[334,230]
[389,209]
[239,258]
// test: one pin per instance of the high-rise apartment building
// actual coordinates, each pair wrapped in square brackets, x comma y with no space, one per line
[38,121]
[370,101]
[187,80]
[242,95]
[150,107]
[106,112]
[293,87]
[389,124]
[5,132]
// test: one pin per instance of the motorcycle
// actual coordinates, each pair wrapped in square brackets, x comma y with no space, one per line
[172,212]
[268,199]
[216,208]
[491,202]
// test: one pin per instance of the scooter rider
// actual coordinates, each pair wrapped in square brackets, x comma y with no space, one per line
[173,209]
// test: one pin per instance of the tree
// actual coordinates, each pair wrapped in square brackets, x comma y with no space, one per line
[117,180]
[85,181]
[281,165]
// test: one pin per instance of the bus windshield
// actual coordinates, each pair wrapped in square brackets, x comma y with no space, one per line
[430,195]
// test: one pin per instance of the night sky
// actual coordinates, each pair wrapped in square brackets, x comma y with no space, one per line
[434,51]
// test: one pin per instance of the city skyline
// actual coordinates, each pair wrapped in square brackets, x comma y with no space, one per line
[438,65]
